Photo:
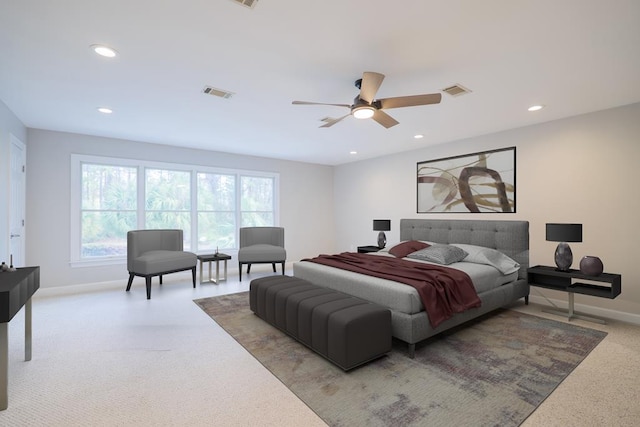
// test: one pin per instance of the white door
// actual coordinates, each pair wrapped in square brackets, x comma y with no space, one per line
[18,154]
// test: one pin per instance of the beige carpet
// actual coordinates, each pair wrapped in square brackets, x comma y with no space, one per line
[494,372]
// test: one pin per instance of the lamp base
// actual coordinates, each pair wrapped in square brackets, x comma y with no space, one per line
[382,240]
[563,256]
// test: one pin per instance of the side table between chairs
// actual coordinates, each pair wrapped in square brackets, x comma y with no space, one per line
[217,257]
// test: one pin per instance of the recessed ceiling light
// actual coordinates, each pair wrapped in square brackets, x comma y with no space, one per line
[105,110]
[418,136]
[535,107]
[353,152]
[103,50]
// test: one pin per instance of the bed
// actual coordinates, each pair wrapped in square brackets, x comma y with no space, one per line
[410,322]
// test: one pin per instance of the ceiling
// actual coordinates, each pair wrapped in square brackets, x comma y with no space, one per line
[573,56]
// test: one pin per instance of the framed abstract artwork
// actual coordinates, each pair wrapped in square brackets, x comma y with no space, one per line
[482,182]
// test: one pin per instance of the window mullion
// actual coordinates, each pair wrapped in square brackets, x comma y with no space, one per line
[238,192]
[194,211]
[141,206]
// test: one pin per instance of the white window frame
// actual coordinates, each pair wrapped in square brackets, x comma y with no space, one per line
[76,198]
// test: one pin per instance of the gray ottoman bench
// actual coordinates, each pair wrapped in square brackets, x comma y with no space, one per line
[346,330]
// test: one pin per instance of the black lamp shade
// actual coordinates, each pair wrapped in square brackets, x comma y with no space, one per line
[564,232]
[381,224]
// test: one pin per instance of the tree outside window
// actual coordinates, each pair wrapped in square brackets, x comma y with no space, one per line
[216,211]
[257,201]
[108,209]
[168,201]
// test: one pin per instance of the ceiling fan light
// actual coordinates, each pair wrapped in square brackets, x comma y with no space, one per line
[363,112]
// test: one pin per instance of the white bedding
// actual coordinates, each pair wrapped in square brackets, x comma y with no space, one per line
[394,295]
[484,277]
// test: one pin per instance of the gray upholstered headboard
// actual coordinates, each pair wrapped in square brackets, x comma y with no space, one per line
[509,237]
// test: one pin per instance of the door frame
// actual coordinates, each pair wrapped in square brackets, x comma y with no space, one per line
[17,192]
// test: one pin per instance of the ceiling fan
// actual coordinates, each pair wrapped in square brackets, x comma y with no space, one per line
[365,106]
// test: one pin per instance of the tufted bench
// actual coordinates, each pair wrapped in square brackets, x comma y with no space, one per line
[346,330]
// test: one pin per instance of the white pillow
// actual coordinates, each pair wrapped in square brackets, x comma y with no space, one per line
[488,256]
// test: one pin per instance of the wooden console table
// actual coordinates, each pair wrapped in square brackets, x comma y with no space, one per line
[16,289]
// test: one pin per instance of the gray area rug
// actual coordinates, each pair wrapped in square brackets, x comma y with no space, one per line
[491,372]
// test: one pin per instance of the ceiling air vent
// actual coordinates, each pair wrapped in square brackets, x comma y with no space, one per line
[210,90]
[456,90]
[247,3]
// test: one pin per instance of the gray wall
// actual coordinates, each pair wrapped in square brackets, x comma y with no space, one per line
[581,169]
[306,199]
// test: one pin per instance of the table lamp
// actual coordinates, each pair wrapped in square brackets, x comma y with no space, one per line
[381,225]
[564,233]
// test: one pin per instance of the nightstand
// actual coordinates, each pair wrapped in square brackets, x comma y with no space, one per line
[367,249]
[606,285]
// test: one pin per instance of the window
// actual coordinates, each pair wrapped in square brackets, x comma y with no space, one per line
[108,209]
[256,201]
[112,196]
[216,211]
[167,201]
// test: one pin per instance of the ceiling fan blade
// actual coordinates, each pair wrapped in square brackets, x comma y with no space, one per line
[331,122]
[410,101]
[319,103]
[370,84]
[384,119]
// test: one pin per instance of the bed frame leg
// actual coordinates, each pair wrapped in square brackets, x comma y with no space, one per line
[412,351]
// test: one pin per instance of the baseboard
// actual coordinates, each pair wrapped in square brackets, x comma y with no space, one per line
[589,309]
[84,288]
[54,291]
[120,284]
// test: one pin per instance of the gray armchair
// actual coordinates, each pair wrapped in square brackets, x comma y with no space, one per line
[155,253]
[261,245]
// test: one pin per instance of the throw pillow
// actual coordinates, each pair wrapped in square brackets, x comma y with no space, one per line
[440,254]
[403,249]
[488,256]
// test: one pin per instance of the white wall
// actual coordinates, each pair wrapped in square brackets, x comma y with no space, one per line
[306,199]
[9,124]
[582,169]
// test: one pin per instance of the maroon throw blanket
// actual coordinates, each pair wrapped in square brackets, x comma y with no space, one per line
[443,291]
